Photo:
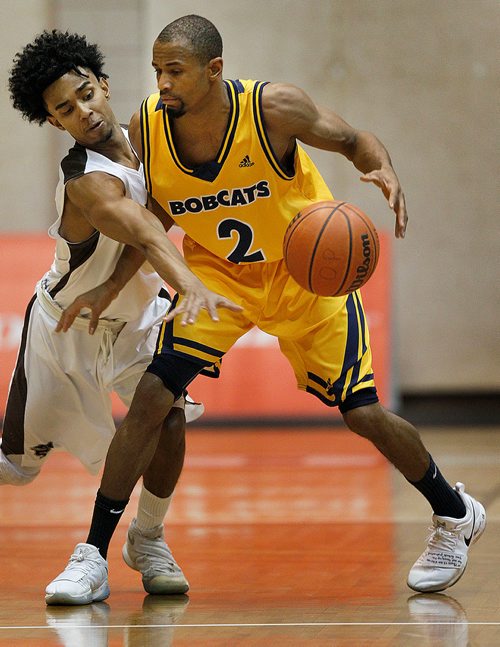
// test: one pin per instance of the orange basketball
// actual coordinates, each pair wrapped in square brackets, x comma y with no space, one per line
[331,248]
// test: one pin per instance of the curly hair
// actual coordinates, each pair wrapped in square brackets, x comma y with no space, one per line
[202,36]
[50,56]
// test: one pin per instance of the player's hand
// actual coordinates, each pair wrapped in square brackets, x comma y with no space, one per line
[96,300]
[197,298]
[388,182]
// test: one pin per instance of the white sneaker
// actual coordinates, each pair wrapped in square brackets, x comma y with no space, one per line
[147,552]
[84,580]
[193,410]
[444,560]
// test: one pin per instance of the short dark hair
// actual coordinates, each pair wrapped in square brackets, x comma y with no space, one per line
[50,56]
[201,35]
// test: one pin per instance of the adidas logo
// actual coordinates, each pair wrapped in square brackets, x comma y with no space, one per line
[246,162]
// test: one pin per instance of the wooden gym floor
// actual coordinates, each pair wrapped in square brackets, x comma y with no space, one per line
[288,537]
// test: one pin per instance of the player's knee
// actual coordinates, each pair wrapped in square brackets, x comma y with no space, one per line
[175,423]
[12,474]
[174,427]
[367,421]
[152,401]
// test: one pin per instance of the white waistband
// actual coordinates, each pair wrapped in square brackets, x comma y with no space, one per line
[80,323]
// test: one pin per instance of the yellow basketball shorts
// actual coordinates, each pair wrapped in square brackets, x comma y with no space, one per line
[325,339]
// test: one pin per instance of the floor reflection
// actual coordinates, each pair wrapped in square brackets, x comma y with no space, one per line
[443,619]
[88,626]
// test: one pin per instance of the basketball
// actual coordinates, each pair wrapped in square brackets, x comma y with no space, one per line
[331,248]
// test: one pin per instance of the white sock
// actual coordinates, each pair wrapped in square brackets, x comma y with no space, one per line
[151,510]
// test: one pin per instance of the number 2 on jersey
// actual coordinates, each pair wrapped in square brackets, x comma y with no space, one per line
[239,253]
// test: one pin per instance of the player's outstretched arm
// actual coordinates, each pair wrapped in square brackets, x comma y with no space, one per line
[291,114]
[101,199]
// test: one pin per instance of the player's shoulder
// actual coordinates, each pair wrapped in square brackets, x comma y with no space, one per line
[81,161]
[75,162]
[283,105]
[271,95]
[284,95]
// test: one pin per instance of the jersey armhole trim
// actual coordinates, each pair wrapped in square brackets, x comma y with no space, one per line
[262,134]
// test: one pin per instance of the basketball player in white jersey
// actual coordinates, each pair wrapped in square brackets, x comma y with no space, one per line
[60,390]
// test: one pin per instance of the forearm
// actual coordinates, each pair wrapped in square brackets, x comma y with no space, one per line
[164,256]
[368,153]
[127,265]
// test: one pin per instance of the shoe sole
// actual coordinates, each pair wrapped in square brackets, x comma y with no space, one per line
[60,598]
[159,585]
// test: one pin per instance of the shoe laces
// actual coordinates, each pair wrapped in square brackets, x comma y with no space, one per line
[156,555]
[440,538]
[82,561]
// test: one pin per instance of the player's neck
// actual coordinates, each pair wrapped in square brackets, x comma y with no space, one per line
[210,114]
[199,133]
[117,149]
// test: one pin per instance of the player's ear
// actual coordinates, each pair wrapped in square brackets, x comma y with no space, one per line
[105,87]
[53,121]
[215,68]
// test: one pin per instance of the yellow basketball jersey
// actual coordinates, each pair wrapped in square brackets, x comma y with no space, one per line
[239,205]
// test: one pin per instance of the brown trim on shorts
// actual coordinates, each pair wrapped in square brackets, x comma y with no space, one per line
[13,424]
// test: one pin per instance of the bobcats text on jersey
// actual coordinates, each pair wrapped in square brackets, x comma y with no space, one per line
[225,198]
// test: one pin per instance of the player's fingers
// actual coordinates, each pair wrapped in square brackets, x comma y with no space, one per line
[401,220]
[393,192]
[212,309]
[66,320]
[230,305]
[397,203]
[191,309]
[173,313]
[191,314]
[60,323]
[94,320]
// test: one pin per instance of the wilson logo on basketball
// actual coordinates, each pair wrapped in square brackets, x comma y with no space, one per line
[363,269]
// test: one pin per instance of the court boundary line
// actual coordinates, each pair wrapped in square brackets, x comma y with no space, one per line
[259,624]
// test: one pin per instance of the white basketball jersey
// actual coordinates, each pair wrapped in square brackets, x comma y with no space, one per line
[79,267]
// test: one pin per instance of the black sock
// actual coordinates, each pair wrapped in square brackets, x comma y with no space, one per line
[107,514]
[444,500]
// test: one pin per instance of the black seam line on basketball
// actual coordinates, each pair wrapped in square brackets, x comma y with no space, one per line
[318,239]
[289,238]
[289,233]
[368,227]
[297,223]
[348,266]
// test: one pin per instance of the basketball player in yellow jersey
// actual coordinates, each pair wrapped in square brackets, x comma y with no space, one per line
[223,159]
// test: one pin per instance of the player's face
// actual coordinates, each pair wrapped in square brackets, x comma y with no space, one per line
[79,104]
[183,82]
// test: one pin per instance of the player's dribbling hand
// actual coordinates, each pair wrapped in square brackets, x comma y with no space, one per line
[198,298]
[387,180]
[96,300]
